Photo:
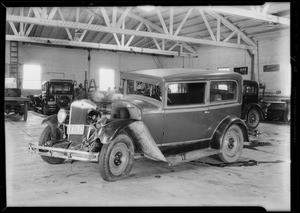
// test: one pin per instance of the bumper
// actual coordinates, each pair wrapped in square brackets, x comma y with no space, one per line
[67,154]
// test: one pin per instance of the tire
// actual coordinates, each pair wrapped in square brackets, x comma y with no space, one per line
[253,118]
[116,158]
[232,144]
[45,136]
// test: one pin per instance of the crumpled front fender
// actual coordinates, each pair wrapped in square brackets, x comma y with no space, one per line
[138,132]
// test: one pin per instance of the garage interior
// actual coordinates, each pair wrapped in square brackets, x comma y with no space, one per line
[92,45]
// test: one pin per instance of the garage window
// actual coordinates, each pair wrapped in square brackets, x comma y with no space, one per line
[31,76]
[107,79]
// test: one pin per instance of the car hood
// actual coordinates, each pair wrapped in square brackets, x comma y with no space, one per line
[142,102]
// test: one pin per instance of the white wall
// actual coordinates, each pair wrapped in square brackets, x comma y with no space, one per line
[213,57]
[68,63]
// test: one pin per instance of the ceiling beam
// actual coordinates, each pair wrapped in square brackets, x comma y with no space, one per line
[100,28]
[138,18]
[162,22]
[207,25]
[232,27]
[250,14]
[93,45]
[183,21]
[132,37]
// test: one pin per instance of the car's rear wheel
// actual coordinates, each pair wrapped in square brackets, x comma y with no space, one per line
[116,158]
[253,118]
[46,136]
[232,144]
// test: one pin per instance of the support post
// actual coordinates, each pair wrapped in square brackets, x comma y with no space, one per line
[252,65]
[89,66]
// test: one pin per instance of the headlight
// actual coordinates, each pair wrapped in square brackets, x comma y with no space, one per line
[62,115]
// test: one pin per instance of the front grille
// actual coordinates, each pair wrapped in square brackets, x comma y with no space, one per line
[78,116]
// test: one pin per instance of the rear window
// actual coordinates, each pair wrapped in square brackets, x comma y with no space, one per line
[222,91]
[185,94]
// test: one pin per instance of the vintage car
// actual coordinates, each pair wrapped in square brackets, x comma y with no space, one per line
[169,115]
[56,94]
[253,109]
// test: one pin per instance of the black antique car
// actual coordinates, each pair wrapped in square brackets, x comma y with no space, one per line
[253,110]
[169,115]
[56,94]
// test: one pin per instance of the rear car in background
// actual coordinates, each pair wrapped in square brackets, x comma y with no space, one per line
[169,115]
[253,109]
[56,94]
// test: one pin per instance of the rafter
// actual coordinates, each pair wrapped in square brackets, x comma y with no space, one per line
[99,28]
[123,16]
[207,25]
[250,14]
[162,21]
[154,39]
[266,7]
[183,21]
[171,20]
[93,45]
[67,29]
[132,37]
[232,27]
[52,13]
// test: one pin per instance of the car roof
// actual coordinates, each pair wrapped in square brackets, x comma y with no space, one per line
[156,76]
[59,81]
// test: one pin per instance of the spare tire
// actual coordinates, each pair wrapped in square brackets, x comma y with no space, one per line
[63,102]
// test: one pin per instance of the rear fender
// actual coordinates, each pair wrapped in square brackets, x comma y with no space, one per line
[248,107]
[219,133]
[138,132]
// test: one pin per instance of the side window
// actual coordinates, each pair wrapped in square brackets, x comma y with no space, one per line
[222,91]
[249,89]
[185,94]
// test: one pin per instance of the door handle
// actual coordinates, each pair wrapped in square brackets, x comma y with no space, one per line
[206,112]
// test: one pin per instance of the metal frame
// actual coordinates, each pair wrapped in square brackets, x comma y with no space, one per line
[165,38]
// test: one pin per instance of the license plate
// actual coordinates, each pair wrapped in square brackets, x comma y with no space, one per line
[75,129]
[51,102]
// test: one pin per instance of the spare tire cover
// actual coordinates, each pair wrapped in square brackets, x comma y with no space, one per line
[63,102]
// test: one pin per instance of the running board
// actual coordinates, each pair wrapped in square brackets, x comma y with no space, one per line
[67,154]
[190,156]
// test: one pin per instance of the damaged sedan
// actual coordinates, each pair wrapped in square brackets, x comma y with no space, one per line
[169,115]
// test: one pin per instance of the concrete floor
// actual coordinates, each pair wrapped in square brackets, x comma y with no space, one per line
[32,182]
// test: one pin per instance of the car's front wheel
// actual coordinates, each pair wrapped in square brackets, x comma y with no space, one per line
[46,136]
[253,118]
[232,144]
[116,158]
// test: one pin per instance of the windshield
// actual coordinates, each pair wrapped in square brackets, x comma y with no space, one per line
[61,88]
[145,89]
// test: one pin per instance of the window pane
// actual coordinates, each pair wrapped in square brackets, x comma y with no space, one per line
[31,85]
[31,76]
[186,94]
[222,91]
[107,79]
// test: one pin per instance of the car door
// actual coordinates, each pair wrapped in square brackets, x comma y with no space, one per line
[186,112]
[223,101]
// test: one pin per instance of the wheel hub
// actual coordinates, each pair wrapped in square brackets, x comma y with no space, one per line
[231,143]
[118,157]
